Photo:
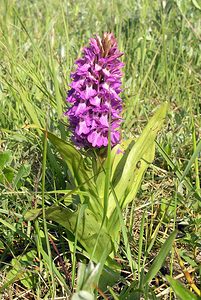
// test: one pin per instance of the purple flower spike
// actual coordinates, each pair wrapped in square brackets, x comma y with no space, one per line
[94,94]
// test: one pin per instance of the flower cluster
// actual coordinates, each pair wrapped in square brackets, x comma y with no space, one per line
[94,94]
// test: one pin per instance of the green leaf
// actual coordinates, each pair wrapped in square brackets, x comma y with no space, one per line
[20,270]
[74,161]
[109,277]
[138,174]
[80,171]
[190,260]
[23,171]
[83,295]
[181,292]
[115,156]
[88,276]
[123,174]
[5,159]
[158,262]
[7,175]
[129,167]
[115,224]
[196,4]
[32,214]
[14,229]
[87,231]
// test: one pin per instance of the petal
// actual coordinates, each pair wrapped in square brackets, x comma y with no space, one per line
[82,128]
[94,124]
[88,93]
[71,96]
[106,86]
[94,45]
[115,137]
[99,141]
[88,120]
[95,139]
[81,108]
[104,120]
[106,72]
[97,67]
[83,69]
[95,101]
[77,84]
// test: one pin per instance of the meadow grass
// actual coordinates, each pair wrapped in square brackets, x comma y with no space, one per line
[39,43]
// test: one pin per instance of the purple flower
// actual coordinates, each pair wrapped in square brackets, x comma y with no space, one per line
[96,106]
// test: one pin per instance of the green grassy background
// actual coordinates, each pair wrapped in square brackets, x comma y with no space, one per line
[39,43]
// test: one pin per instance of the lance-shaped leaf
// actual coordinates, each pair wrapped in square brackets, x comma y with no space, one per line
[86,226]
[182,292]
[131,191]
[81,172]
[73,159]
[123,175]
[129,167]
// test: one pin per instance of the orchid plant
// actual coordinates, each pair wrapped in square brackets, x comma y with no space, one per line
[106,170]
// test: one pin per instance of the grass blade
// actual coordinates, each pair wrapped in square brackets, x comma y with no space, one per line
[182,292]
[158,262]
